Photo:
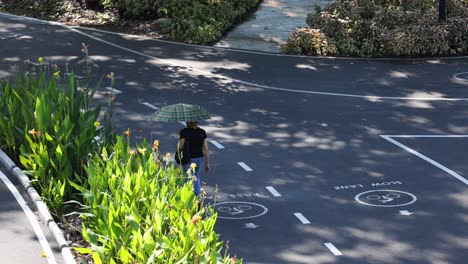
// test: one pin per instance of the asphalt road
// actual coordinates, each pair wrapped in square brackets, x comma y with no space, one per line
[326,175]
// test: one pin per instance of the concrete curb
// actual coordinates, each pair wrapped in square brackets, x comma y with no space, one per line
[40,206]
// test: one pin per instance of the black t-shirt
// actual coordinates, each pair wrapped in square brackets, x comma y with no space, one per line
[195,137]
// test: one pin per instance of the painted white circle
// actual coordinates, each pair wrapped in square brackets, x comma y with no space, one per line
[387,196]
[462,76]
[239,210]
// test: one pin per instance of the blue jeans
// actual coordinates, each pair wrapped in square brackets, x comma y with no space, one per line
[197,183]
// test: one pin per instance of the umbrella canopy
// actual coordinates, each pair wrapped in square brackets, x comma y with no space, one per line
[181,112]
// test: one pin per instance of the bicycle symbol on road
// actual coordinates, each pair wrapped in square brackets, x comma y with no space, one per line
[239,210]
[385,198]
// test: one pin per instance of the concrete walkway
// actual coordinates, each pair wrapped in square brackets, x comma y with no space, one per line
[271,25]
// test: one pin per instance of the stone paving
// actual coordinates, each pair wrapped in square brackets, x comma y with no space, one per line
[271,25]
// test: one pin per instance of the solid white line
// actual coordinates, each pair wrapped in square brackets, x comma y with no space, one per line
[264,52]
[302,218]
[273,191]
[433,162]
[22,18]
[207,73]
[151,106]
[244,166]
[113,90]
[214,142]
[333,249]
[32,219]
[425,136]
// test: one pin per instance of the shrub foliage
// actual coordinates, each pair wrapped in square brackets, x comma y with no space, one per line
[376,28]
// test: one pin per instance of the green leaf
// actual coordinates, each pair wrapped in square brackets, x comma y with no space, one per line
[83,250]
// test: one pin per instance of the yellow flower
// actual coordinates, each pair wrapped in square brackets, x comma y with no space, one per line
[168,156]
[128,133]
[131,152]
[193,166]
[97,124]
[142,150]
[156,144]
[57,74]
[110,75]
[40,60]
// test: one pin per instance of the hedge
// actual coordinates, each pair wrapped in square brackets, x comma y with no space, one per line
[379,28]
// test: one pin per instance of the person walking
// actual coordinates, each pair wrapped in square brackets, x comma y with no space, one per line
[199,152]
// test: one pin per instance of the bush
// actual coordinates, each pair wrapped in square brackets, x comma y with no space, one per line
[204,22]
[309,41]
[140,9]
[44,9]
[376,28]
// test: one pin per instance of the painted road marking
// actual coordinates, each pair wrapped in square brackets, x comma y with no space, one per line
[424,136]
[333,249]
[113,90]
[220,76]
[244,166]
[32,219]
[151,106]
[405,212]
[239,210]
[302,218]
[214,142]
[385,198]
[431,161]
[273,191]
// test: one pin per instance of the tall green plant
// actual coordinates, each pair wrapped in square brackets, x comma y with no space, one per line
[139,211]
[51,127]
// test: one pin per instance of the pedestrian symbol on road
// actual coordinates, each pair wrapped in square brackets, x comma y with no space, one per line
[385,198]
[239,210]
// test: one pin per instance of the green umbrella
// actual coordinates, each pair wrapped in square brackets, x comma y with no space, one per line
[181,112]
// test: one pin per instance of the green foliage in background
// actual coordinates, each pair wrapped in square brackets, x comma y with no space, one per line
[139,211]
[377,28]
[192,21]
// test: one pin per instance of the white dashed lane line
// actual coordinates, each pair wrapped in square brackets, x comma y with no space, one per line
[244,166]
[333,249]
[214,142]
[273,191]
[302,218]
[113,90]
[150,106]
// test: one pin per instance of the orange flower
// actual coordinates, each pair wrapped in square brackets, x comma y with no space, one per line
[131,152]
[34,132]
[196,219]
[128,133]
[156,144]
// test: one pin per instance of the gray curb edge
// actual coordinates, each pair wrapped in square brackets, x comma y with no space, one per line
[40,206]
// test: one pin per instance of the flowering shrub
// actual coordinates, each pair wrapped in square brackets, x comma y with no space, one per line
[376,28]
[309,41]
[140,211]
[49,125]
